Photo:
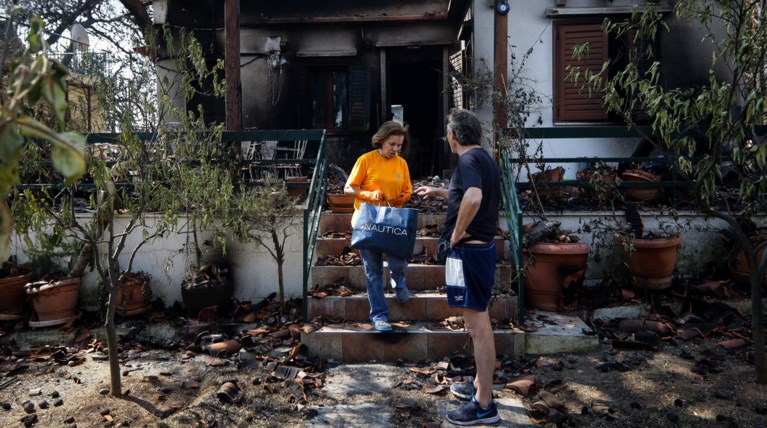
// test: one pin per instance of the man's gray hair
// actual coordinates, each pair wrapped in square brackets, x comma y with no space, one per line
[465,125]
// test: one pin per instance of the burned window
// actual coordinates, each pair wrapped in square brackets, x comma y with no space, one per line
[330,99]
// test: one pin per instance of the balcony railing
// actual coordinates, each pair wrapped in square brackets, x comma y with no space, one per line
[86,63]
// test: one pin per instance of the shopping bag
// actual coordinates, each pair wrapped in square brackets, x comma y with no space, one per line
[385,229]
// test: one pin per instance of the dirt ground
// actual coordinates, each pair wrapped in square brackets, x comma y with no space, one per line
[693,383]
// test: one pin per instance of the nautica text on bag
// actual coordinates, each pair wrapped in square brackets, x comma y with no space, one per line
[380,228]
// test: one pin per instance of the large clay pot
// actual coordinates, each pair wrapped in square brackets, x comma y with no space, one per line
[12,296]
[652,261]
[54,302]
[340,203]
[641,193]
[740,268]
[133,294]
[554,268]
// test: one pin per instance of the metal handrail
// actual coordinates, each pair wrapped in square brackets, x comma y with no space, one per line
[513,211]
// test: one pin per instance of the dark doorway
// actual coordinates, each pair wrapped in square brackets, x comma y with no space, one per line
[415,83]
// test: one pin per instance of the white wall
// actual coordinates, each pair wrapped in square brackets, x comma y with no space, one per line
[253,270]
[528,27]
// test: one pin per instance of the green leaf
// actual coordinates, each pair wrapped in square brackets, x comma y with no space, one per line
[10,143]
[70,163]
[53,89]
[35,37]
[68,148]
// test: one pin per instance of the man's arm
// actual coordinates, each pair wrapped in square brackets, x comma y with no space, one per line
[466,212]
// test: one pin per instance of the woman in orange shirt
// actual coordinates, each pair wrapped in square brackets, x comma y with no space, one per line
[381,177]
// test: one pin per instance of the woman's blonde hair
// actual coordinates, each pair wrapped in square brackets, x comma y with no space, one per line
[391,128]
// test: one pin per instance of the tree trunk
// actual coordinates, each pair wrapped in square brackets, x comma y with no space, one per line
[757,325]
[109,326]
[280,258]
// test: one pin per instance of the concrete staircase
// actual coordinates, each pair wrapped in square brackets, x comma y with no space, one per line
[421,326]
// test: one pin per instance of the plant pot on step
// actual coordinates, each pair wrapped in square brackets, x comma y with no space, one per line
[298,192]
[340,203]
[552,268]
[552,175]
[133,294]
[53,302]
[740,268]
[652,261]
[12,296]
[641,193]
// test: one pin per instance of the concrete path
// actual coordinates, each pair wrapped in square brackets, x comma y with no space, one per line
[368,385]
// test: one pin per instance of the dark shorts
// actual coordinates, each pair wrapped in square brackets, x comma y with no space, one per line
[469,275]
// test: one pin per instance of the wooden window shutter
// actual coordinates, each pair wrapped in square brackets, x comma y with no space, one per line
[572,104]
[359,97]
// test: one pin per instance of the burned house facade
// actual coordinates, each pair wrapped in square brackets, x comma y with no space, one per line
[345,67]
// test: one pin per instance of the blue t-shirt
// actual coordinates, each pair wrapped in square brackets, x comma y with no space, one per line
[475,169]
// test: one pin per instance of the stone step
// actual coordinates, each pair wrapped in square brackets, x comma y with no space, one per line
[418,276]
[357,342]
[421,307]
[554,333]
[424,245]
[340,222]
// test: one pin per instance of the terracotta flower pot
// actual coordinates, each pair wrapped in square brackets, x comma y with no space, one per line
[553,175]
[641,193]
[12,296]
[340,203]
[652,261]
[740,268]
[133,294]
[554,268]
[299,193]
[54,302]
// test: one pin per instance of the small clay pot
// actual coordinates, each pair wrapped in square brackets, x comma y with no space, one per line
[340,203]
[641,193]
[652,262]
[12,296]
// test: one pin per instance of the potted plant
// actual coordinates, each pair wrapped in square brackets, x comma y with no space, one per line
[52,290]
[13,277]
[555,263]
[721,121]
[641,193]
[598,181]
[550,175]
[338,201]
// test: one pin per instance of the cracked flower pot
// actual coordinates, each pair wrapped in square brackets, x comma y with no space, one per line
[552,269]
[134,294]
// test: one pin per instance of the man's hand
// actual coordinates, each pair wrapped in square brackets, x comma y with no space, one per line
[371,195]
[427,192]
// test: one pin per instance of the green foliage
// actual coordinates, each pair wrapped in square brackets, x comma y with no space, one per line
[721,123]
[33,77]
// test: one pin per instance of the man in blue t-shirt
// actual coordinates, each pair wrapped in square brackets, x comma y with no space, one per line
[473,197]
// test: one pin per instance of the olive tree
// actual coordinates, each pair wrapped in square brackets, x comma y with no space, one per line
[706,127]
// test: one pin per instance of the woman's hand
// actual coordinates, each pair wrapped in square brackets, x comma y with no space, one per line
[401,199]
[371,195]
